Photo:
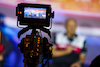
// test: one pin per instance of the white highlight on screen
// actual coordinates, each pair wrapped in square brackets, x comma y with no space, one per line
[31,12]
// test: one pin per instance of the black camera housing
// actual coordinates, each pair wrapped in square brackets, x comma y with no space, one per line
[33,21]
[35,49]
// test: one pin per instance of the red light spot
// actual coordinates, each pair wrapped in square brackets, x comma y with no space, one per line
[18,12]
[1,48]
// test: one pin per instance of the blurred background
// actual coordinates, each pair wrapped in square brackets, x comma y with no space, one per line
[86,12]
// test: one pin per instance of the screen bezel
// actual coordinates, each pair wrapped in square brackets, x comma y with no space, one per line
[31,21]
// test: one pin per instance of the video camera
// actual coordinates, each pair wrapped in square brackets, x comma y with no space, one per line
[34,47]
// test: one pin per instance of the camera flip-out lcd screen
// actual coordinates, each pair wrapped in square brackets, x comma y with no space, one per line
[36,13]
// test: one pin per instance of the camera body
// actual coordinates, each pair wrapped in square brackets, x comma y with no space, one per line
[34,14]
[32,46]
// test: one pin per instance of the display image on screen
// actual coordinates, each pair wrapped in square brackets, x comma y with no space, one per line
[31,12]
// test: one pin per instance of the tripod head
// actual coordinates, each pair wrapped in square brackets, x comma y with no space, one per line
[33,30]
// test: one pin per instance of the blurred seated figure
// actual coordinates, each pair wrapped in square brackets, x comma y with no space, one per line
[95,62]
[69,49]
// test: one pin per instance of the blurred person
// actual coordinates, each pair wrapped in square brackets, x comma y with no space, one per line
[5,45]
[70,48]
[95,62]
[1,52]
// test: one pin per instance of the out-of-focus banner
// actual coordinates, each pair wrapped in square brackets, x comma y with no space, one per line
[74,5]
